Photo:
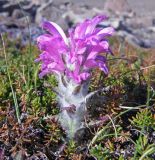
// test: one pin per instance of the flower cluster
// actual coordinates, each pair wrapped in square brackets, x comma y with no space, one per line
[74,56]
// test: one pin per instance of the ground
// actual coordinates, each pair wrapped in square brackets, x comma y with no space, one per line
[122,128]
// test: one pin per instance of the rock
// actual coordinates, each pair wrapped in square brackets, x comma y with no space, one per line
[152,29]
[115,24]
[133,20]
[46,11]
[117,7]
[17,13]
[139,22]
[4,14]
[143,8]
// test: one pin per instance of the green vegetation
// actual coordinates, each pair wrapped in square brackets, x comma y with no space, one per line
[27,108]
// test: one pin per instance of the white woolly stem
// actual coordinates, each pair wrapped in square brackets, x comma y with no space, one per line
[73,99]
[72,105]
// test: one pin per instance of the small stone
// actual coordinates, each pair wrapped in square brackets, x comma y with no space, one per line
[117,6]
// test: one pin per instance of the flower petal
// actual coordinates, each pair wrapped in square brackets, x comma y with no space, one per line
[55,30]
[106,31]
[93,23]
[91,63]
[84,75]
[103,67]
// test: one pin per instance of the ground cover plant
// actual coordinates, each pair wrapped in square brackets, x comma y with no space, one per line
[123,127]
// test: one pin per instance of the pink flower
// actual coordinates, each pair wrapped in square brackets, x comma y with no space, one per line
[74,56]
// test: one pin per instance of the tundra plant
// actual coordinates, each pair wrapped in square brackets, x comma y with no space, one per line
[71,59]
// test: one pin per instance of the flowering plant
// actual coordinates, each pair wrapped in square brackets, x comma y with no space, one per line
[72,59]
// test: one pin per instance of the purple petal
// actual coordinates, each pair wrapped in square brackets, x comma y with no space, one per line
[106,31]
[101,58]
[80,30]
[93,23]
[103,67]
[84,76]
[43,73]
[55,30]
[88,26]
[91,63]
